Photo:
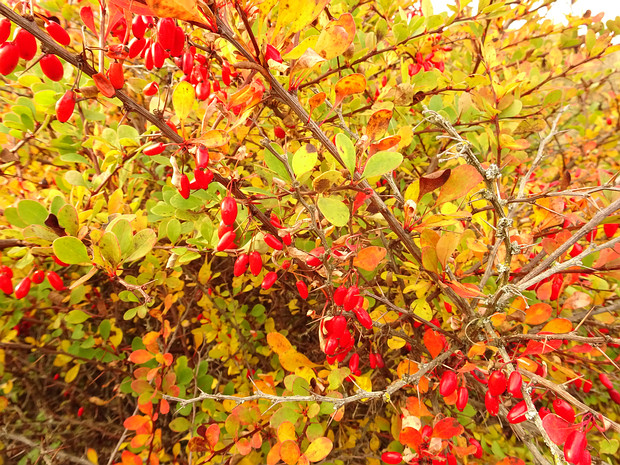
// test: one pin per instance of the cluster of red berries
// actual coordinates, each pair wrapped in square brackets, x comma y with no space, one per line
[22,289]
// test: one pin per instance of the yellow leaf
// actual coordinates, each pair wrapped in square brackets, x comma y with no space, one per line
[286,431]
[186,10]
[319,449]
[336,37]
[91,455]
[296,15]
[211,139]
[396,343]
[183,99]
[278,343]
[72,373]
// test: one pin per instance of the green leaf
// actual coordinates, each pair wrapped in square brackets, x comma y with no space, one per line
[75,178]
[39,232]
[346,150]
[304,159]
[179,424]
[70,250]
[276,165]
[110,248]
[124,234]
[183,99]
[68,219]
[32,212]
[336,212]
[76,317]
[12,217]
[143,242]
[173,230]
[381,163]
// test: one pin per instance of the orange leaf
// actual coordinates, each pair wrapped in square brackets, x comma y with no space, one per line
[406,368]
[369,258]
[510,461]
[278,343]
[135,422]
[378,123]
[384,144]
[558,326]
[434,342]
[212,435]
[417,408]
[244,446]
[462,179]
[104,85]
[477,349]
[466,290]
[140,356]
[179,9]
[315,101]
[319,449]
[273,456]
[289,452]
[447,428]
[410,437]
[211,139]
[349,85]
[538,313]
[464,451]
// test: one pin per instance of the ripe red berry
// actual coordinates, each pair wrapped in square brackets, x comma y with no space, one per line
[302,288]
[22,289]
[448,384]
[269,279]
[605,381]
[256,263]
[6,270]
[184,189]
[241,264]
[26,43]
[517,413]
[80,411]
[6,283]
[587,385]
[336,326]
[392,458]
[9,57]
[574,447]
[116,75]
[313,259]
[229,210]
[151,88]
[279,132]
[354,362]
[58,33]
[591,235]
[55,281]
[178,42]
[202,157]
[379,360]
[610,229]
[135,47]
[203,89]
[287,239]
[615,395]
[159,55]
[203,178]
[165,32]
[5,30]
[564,409]
[497,383]
[462,397]
[272,242]
[491,403]
[351,298]
[476,444]
[226,241]
[372,360]
[515,381]
[38,276]
[363,317]
[52,67]
[154,149]
[65,106]
[339,295]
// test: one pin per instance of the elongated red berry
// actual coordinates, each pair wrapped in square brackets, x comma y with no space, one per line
[497,383]
[287,239]
[55,281]
[272,242]
[363,317]
[22,289]
[336,326]
[331,345]
[517,413]
[80,411]
[6,283]
[52,67]
[515,381]
[184,189]
[339,295]
[202,157]
[564,409]
[302,288]
[462,397]
[354,362]
[229,210]
[379,360]
[135,47]
[491,403]
[587,385]
[26,43]
[116,75]
[610,229]
[241,264]
[151,88]
[543,412]
[178,43]
[576,250]
[203,178]
[448,383]
[313,259]
[351,298]
[5,30]
[58,33]
[605,381]
[256,263]
[165,32]
[9,57]
[159,55]
[392,458]
[154,149]
[615,395]
[574,447]
[38,276]
[479,450]
[65,106]
[226,241]
[269,279]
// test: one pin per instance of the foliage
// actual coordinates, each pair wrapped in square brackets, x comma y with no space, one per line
[302,232]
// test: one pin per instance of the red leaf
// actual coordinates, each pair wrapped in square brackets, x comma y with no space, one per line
[447,428]
[410,437]
[434,342]
[430,182]
[557,428]
[541,347]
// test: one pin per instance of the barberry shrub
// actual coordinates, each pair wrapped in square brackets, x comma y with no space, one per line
[300,232]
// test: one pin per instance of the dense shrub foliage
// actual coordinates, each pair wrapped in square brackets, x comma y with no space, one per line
[346,232]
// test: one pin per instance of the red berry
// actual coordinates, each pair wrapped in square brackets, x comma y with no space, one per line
[272,242]
[615,395]
[336,326]
[165,32]
[609,121]
[497,383]
[80,411]
[351,298]
[241,264]
[58,33]
[302,288]
[543,412]
[5,30]
[372,360]
[605,381]
[279,132]
[392,458]
[339,295]
[203,89]
[203,178]
[564,409]
[331,345]
[178,42]
[226,241]
[9,57]
[202,157]
[256,263]
[22,289]
[363,317]
[313,259]
[587,385]
[184,189]
[515,381]
[155,149]
[576,250]
[65,106]
[574,447]
[379,360]
[476,444]
[116,75]
[462,397]
[491,403]
[354,362]
[610,229]
[55,281]
[229,210]
[448,383]
[52,67]
[517,413]
[151,88]
[269,279]
[26,43]
[287,239]
[223,229]
[6,284]
[159,55]
[38,276]
[591,235]
[135,47]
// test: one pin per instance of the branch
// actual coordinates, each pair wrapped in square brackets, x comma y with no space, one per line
[52,452]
